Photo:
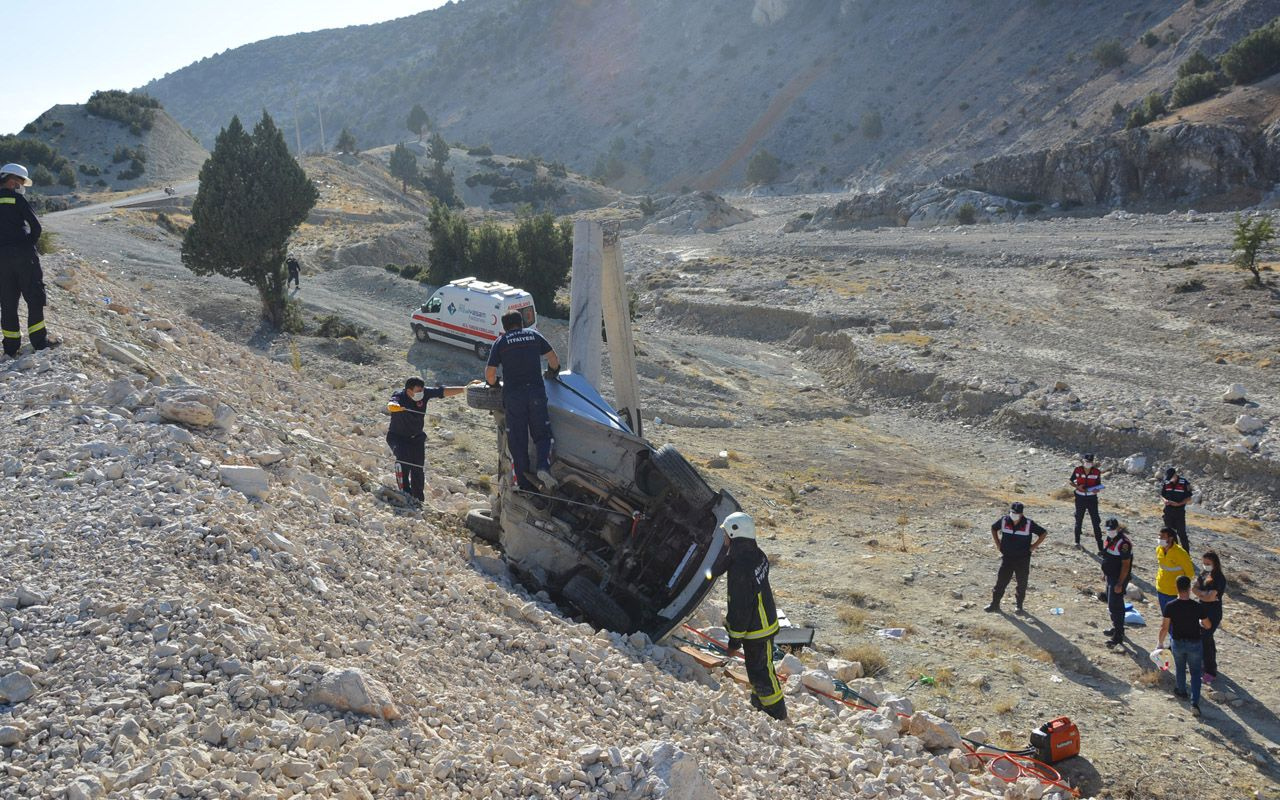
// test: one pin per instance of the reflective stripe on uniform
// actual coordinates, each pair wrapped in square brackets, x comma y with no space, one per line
[767,630]
[12,334]
[39,326]
[8,201]
[776,695]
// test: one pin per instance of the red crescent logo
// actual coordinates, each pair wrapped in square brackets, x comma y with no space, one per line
[495,319]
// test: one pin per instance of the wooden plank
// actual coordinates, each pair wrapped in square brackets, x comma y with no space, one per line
[584,301]
[708,660]
[617,326]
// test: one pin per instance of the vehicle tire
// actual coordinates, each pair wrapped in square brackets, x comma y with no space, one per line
[484,397]
[482,350]
[596,607]
[482,523]
[421,333]
[682,476]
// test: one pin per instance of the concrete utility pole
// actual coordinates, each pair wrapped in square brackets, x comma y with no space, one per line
[297,128]
[584,300]
[617,327]
[321,115]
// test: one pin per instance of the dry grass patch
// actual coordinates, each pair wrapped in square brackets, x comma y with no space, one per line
[1005,704]
[1062,494]
[871,657]
[909,338]
[852,617]
[960,524]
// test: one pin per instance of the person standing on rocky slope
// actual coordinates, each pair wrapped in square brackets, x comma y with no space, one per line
[20,274]
[295,272]
[1176,492]
[519,352]
[1086,482]
[1117,567]
[752,619]
[406,435]
[1173,562]
[1185,621]
[1208,589]
[1012,535]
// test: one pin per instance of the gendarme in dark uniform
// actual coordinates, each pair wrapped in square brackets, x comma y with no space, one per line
[1117,566]
[1012,535]
[20,274]
[1086,482]
[519,353]
[1176,492]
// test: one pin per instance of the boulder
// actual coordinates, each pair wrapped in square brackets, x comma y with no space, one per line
[789,665]
[353,690]
[15,688]
[249,481]
[131,356]
[1235,393]
[936,733]
[1136,464]
[877,725]
[30,597]
[680,772]
[1247,423]
[188,405]
[844,670]
[11,735]
[819,681]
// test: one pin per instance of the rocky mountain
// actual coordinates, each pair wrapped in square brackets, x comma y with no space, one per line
[107,153]
[664,93]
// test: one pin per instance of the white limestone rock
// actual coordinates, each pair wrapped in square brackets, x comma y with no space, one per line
[353,690]
[253,482]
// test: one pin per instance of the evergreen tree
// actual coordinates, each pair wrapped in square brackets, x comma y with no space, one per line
[544,258]
[252,197]
[450,244]
[404,165]
[439,150]
[418,122]
[346,142]
[763,167]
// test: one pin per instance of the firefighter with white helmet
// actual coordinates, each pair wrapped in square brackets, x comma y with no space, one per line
[20,274]
[752,619]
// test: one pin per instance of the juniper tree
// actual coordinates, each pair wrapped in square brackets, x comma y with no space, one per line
[418,121]
[253,195]
[403,165]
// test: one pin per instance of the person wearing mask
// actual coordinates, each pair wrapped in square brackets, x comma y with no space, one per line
[519,351]
[1012,536]
[1176,493]
[1117,566]
[1086,482]
[1172,562]
[406,435]
[752,619]
[20,275]
[1208,589]
[1186,621]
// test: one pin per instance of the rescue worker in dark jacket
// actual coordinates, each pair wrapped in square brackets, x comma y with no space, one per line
[20,274]
[1012,535]
[1176,492]
[1086,482]
[1117,566]
[295,272]
[752,620]
[406,435]
[524,397]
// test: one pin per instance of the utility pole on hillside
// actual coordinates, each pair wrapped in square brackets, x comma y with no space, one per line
[320,112]
[297,128]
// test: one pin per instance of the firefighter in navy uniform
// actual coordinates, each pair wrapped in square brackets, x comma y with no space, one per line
[1176,492]
[20,275]
[406,435]
[524,397]
[1086,482]
[752,619]
[1012,535]
[1117,567]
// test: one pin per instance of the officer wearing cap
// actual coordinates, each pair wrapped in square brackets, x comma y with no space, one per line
[1117,565]
[752,619]
[519,352]
[20,274]
[1086,482]
[1176,492]
[1012,536]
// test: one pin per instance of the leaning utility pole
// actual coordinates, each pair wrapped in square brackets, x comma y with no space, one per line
[584,300]
[617,326]
[321,115]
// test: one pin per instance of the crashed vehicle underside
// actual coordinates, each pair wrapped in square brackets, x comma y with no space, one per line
[629,536]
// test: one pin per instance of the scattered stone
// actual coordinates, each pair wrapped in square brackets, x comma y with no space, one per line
[16,687]
[252,482]
[1136,464]
[353,690]
[934,732]
[1236,394]
[1247,423]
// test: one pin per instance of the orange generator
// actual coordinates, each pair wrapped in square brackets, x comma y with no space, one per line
[1056,740]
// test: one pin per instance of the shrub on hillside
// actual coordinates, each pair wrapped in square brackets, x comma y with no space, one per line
[1150,39]
[332,326]
[30,153]
[490,179]
[763,168]
[1110,54]
[482,150]
[872,125]
[537,193]
[41,176]
[1151,109]
[1194,88]
[132,109]
[67,177]
[1197,63]
[90,170]
[1255,56]
[966,214]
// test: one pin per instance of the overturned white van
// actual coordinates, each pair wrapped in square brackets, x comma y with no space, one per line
[468,313]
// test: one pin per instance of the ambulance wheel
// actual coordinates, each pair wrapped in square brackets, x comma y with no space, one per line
[484,398]
[682,476]
[482,350]
[596,607]
[421,333]
[482,523]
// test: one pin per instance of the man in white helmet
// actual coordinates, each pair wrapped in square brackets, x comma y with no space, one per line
[752,619]
[20,275]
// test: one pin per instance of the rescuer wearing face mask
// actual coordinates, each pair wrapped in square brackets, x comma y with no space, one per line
[405,434]
[1012,535]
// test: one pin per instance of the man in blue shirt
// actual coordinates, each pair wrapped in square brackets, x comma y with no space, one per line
[524,397]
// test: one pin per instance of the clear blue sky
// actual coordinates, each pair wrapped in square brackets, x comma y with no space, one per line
[74,47]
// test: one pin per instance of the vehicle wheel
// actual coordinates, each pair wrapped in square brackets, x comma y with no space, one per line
[481,522]
[597,607]
[422,334]
[482,350]
[484,397]
[682,476]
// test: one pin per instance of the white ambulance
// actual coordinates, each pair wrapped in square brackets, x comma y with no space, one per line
[468,313]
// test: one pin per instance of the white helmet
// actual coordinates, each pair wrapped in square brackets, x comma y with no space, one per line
[739,526]
[15,169]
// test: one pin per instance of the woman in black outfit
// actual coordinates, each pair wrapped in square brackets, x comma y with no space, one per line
[1209,588]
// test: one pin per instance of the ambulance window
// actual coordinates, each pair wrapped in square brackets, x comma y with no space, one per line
[433,305]
[528,316]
